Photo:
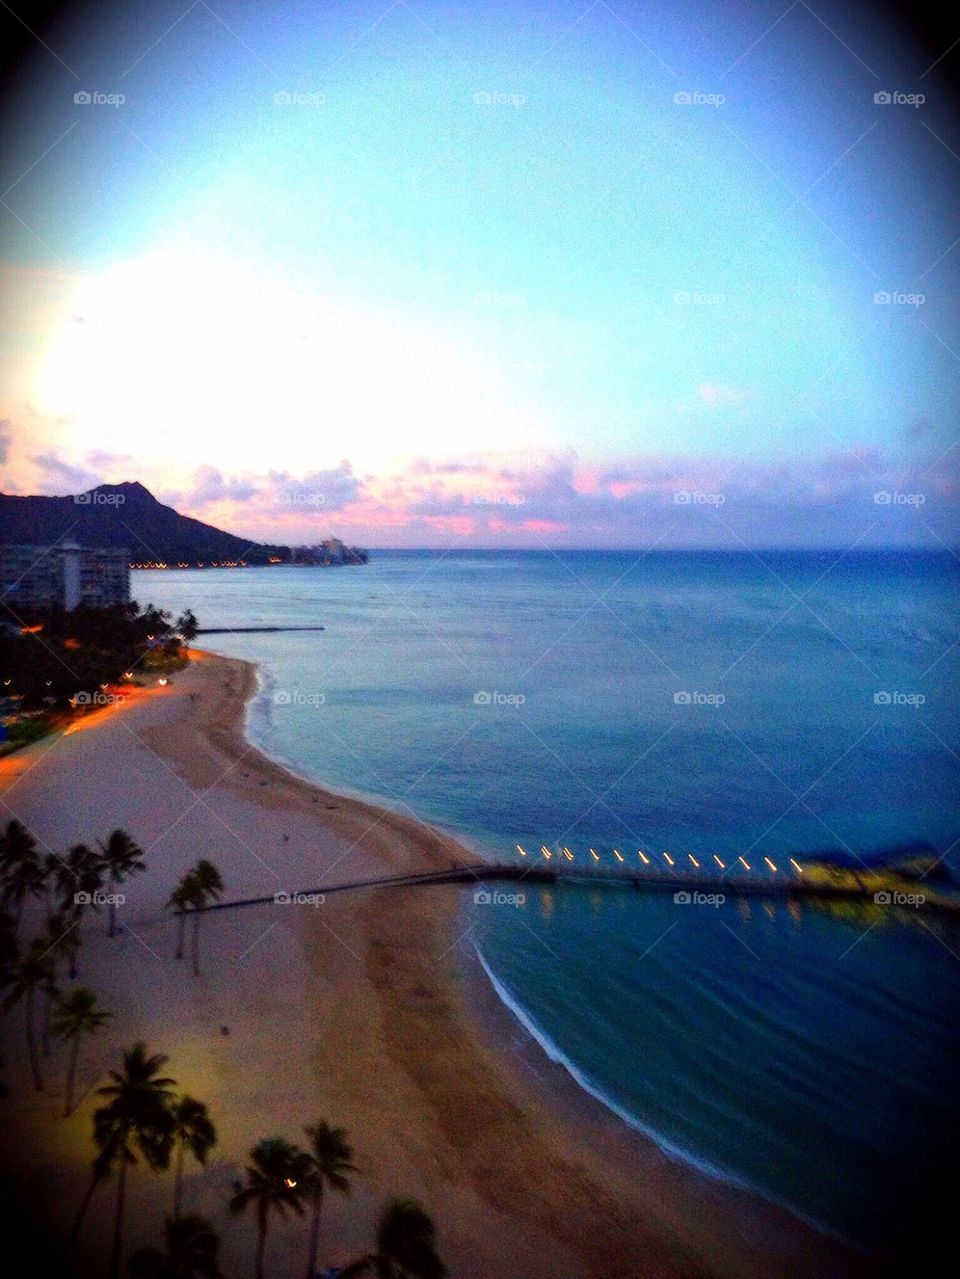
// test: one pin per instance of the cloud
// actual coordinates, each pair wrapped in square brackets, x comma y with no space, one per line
[332,490]
[210,487]
[5,432]
[64,476]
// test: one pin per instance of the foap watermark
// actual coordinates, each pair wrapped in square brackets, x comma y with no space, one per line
[94,98]
[683,898]
[695,98]
[96,498]
[693,297]
[894,98]
[297,697]
[498,499]
[884,898]
[494,897]
[884,698]
[286,98]
[98,698]
[98,899]
[300,497]
[885,497]
[687,498]
[896,297]
[684,698]
[486,99]
[298,899]
[483,698]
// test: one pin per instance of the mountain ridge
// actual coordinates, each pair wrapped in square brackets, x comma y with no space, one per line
[128,515]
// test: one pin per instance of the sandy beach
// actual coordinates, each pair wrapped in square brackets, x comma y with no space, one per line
[369,1010]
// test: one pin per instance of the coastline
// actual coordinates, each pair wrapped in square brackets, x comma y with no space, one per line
[398,1036]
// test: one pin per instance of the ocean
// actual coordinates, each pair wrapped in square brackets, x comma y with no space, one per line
[780,704]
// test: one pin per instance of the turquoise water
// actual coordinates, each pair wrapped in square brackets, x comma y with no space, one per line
[699,703]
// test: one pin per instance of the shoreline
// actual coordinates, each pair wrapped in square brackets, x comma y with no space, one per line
[588,1106]
[377,1011]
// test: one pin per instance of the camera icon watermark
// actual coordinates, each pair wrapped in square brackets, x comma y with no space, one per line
[684,898]
[486,99]
[99,899]
[96,498]
[894,98]
[683,698]
[684,497]
[296,697]
[298,899]
[286,98]
[93,98]
[886,497]
[884,698]
[887,898]
[896,297]
[483,698]
[694,98]
[486,897]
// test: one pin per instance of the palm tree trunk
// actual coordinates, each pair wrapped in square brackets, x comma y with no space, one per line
[196,946]
[32,1044]
[82,1211]
[181,930]
[118,1220]
[314,1244]
[178,1180]
[112,913]
[262,1221]
[74,951]
[47,1014]
[71,1075]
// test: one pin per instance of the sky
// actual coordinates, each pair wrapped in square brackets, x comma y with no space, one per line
[498,274]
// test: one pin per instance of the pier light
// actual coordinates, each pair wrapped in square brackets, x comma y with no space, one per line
[289,1182]
[521,851]
[567,853]
[719,862]
[770,864]
[617,855]
[694,860]
[744,861]
[796,866]
[546,851]
[162,680]
[594,854]
[669,860]
[643,857]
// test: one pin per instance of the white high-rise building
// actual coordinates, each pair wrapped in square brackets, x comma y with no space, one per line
[67,574]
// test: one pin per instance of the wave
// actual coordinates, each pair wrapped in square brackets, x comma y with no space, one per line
[678,1153]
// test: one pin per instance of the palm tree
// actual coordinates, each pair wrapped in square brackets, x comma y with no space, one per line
[63,931]
[80,871]
[330,1159]
[193,1131]
[275,1181]
[191,1252]
[76,1016]
[406,1245]
[22,870]
[179,901]
[136,1118]
[78,880]
[51,993]
[121,857]
[32,973]
[206,886]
